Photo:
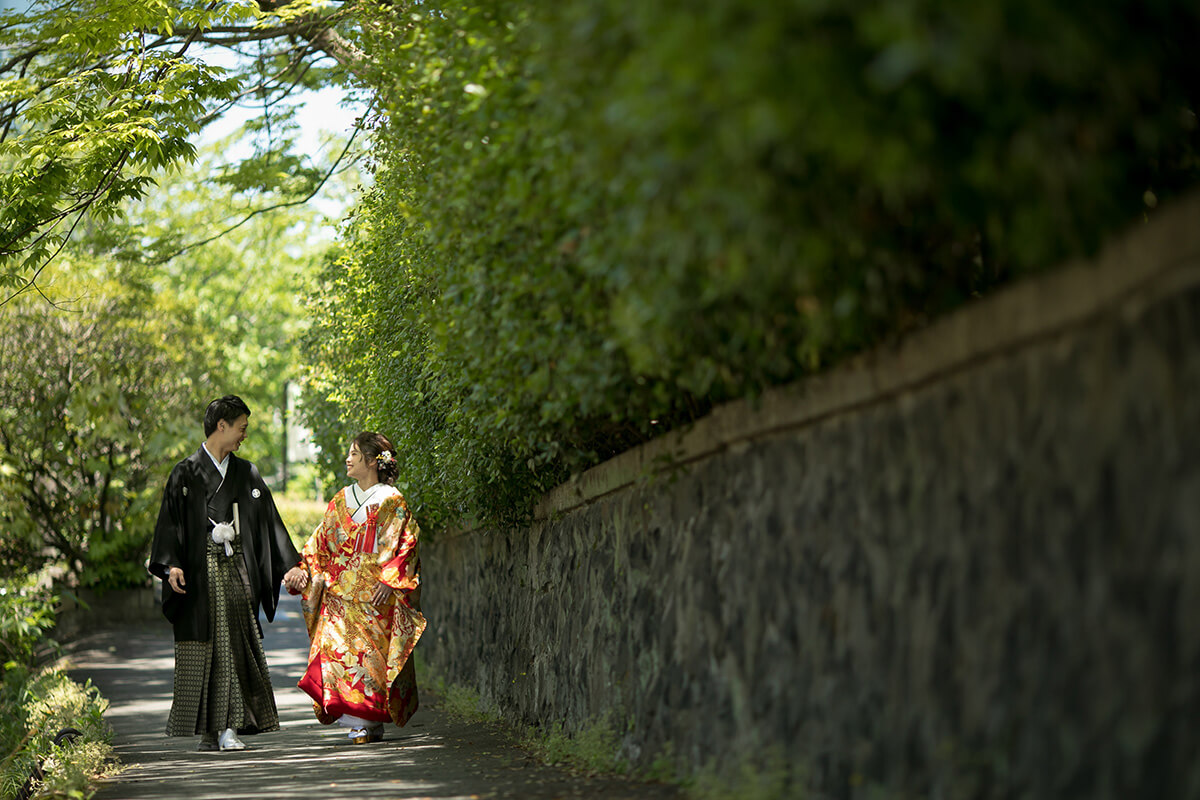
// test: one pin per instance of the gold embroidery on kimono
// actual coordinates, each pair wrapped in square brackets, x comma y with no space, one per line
[359,661]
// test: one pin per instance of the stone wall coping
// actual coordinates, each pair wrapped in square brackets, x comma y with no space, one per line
[1134,268]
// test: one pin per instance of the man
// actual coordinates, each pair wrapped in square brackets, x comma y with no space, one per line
[221,551]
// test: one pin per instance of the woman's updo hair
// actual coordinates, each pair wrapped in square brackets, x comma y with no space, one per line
[373,445]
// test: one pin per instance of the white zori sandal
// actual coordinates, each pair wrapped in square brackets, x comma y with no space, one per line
[229,741]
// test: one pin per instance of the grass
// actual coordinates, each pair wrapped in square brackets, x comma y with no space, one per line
[593,749]
[458,701]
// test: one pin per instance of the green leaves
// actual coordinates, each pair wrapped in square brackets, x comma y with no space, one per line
[98,97]
[89,118]
[590,222]
[26,614]
[85,392]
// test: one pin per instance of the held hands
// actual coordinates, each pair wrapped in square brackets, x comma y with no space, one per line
[175,579]
[295,579]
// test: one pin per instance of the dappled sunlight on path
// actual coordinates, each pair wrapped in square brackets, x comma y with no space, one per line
[432,757]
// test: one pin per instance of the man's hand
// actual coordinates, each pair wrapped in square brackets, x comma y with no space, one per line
[295,579]
[381,595]
[175,578]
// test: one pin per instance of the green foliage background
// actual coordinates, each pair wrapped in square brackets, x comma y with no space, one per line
[87,113]
[140,275]
[103,391]
[94,405]
[586,223]
[591,221]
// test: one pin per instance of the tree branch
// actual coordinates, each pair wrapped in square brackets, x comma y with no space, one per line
[102,187]
[263,85]
[317,31]
[258,211]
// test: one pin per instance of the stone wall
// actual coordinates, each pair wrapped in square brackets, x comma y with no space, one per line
[966,567]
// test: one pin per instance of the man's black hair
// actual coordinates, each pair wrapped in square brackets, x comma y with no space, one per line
[227,408]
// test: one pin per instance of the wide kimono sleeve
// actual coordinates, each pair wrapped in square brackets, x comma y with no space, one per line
[316,555]
[280,553]
[169,546]
[399,557]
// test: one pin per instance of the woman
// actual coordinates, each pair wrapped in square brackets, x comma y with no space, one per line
[362,601]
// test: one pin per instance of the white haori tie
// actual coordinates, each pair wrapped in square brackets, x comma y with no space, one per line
[223,532]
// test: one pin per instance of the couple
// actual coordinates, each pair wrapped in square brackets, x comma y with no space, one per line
[222,552]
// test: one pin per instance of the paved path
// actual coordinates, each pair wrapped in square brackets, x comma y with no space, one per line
[432,757]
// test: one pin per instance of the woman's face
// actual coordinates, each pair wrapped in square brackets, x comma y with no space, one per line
[356,465]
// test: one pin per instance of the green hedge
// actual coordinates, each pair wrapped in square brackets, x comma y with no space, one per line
[590,221]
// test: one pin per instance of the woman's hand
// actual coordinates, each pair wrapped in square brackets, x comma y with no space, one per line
[381,595]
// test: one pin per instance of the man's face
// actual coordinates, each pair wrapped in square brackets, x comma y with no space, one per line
[233,433]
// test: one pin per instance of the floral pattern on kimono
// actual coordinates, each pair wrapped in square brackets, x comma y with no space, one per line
[359,660]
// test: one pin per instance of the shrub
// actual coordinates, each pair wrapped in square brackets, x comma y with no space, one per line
[37,705]
[38,700]
[591,221]
[26,614]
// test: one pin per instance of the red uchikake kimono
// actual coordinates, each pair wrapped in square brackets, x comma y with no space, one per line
[360,659]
